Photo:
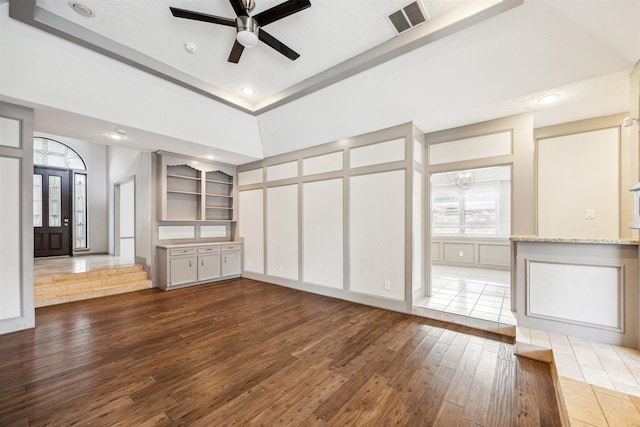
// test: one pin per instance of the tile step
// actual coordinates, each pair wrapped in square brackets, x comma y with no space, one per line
[92,283]
[61,298]
[90,275]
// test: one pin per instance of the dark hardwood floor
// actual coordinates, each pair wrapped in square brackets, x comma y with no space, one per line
[243,352]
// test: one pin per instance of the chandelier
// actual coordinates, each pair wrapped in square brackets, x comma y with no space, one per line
[464,180]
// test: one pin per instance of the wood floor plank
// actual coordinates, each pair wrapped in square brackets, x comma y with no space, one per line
[243,352]
[477,404]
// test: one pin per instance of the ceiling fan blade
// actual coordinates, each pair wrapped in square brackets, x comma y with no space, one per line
[236,52]
[277,45]
[281,11]
[238,7]
[197,16]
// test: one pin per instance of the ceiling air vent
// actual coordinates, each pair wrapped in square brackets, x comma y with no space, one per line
[408,17]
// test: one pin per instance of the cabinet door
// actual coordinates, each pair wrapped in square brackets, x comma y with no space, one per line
[231,263]
[208,267]
[182,270]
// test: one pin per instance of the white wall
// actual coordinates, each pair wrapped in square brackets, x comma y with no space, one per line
[10,283]
[251,229]
[377,234]
[45,70]
[579,173]
[16,219]
[282,231]
[122,164]
[323,233]
[339,221]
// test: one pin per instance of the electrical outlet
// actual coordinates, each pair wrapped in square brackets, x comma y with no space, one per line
[280,268]
[460,253]
[249,263]
[589,214]
[387,285]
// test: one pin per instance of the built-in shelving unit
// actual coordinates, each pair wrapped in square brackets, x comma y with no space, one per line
[194,190]
[218,196]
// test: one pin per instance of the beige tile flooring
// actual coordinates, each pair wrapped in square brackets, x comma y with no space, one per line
[475,297]
[78,264]
[599,383]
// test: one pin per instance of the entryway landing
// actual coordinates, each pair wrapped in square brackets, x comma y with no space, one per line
[67,279]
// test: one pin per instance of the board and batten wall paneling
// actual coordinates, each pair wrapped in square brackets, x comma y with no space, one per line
[578,177]
[323,163]
[322,233]
[478,147]
[375,154]
[10,286]
[251,229]
[254,176]
[282,231]
[17,310]
[377,234]
[595,293]
[417,238]
[282,171]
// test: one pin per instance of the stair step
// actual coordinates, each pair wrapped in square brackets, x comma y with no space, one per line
[91,275]
[89,283]
[67,287]
[78,295]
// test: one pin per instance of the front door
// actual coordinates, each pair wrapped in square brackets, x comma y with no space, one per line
[51,212]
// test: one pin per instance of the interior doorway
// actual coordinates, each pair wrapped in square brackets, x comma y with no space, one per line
[470,247]
[125,218]
[52,207]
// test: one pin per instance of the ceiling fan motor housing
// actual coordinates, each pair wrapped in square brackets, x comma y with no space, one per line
[247,31]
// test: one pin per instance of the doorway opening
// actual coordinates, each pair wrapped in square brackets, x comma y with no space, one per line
[125,219]
[59,199]
[470,247]
[52,220]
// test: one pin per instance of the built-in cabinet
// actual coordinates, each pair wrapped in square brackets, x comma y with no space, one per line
[194,190]
[187,265]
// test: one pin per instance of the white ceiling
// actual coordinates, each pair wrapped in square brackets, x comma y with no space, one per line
[328,33]
[581,49]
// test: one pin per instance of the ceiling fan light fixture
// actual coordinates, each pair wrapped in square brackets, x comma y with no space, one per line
[247,31]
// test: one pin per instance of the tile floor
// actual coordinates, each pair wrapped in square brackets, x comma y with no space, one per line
[475,293]
[78,264]
[599,383]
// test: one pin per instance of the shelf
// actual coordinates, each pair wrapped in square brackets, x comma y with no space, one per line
[183,192]
[171,175]
[192,221]
[193,193]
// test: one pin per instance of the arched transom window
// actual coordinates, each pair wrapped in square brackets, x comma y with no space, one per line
[48,152]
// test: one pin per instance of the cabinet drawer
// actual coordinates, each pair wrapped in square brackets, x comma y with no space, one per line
[230,247]
[183,251]
[208,249]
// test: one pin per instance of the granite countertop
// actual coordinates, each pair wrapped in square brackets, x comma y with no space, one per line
[195,245]
[593,241]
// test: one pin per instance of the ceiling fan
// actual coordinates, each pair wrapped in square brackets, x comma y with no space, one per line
[249,28]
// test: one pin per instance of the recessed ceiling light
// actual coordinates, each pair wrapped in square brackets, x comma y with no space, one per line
[190,47]
[209,156]
[548,99]
[80,9]
[248,91]
[118,135]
